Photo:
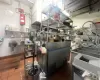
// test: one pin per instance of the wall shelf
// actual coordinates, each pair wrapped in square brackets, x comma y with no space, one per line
[16,34]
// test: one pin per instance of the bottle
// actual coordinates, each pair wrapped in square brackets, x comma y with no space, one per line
[42,76]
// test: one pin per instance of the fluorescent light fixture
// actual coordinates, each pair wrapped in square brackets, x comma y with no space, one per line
[10,11]
[44,17]
[61,30]
[31,1]
[65,13]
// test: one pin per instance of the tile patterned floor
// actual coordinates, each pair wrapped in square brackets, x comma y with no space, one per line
[14,74]
[18,74]
[65,73]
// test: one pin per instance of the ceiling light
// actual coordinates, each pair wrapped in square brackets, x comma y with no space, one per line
[65,13]
[61,30]
[11,11]
[31,1]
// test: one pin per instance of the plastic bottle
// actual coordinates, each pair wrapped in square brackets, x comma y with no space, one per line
[42,76]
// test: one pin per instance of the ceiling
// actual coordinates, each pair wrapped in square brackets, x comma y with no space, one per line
[27,2]
[74,7]
[77,7]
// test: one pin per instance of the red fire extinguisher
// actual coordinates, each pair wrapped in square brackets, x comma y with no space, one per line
[22,17]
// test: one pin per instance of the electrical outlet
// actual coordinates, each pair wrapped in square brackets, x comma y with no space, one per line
[1,40]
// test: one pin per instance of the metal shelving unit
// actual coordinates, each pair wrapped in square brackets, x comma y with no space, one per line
[29,53]
[50,23]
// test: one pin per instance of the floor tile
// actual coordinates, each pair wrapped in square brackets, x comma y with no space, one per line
[11,72]
[15,77]
[0,74]
[4,74]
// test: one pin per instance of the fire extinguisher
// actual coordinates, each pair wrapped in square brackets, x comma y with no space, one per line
[22,17]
